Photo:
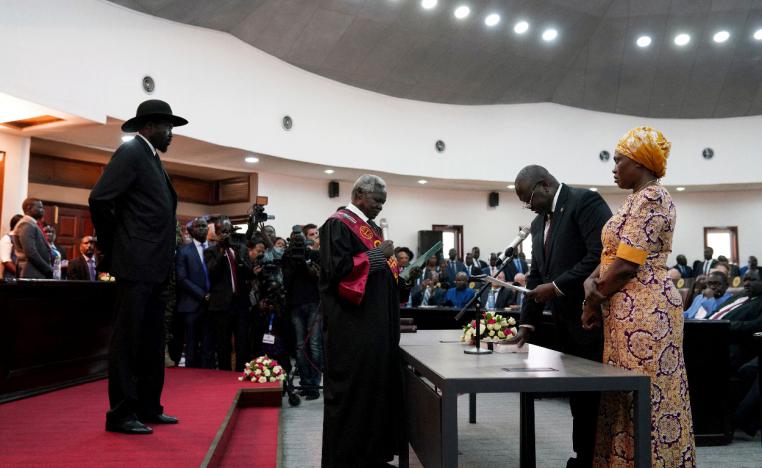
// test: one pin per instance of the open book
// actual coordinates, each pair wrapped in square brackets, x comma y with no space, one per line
[496,281]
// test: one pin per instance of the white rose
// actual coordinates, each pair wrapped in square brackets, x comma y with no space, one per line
[257,371]
[263,380]
[500,335]
[277,369]
[492,333]
[240,379]
[267,372]
[481,328]
[272,379]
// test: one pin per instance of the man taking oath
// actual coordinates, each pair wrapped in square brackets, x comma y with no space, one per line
[566,248]
[359,301]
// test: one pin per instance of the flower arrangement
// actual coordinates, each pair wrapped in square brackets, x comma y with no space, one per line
[263,370]
[492,327]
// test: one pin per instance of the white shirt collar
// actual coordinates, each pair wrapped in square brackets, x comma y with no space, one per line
[555,198]
[356,211]
[153,150]
[197,243]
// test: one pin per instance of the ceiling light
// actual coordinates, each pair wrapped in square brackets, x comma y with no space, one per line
[492,19]
[462,12]
[521,27]
[329,171]
[643,41]
[511,186]
[680,189]
[682,39]
[251,159]
[593,189]
[126,138]
[423,181]
[758,34]
[549,35]
[428,4]
[721,36]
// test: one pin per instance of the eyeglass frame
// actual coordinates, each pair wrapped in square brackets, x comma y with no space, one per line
[528,205]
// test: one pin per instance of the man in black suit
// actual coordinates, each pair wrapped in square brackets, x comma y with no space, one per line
[192,284]
[452,267]
[703,267]
[472,267]
[83,267]
[516,265]
[500,297]
[566,248]
[32,248]
[682,267]
[476,253]
[133,208]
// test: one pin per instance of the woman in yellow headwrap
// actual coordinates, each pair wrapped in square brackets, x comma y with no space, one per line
[640,310]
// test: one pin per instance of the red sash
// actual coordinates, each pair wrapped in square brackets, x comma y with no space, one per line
[352,287]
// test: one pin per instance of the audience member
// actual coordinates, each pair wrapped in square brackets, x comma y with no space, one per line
[751,265]
[733,270]
[83,267]
[312,234]
[8,257]
[484,266]
[744,311]
[702,267]
[674,275]
[58,256]
[32,249]
[428,292]
[459,295]
[708,302]
[723,267]
[683,268]
[403,255]
[516,265]
[472,267]
[497,297]
[452,267]
[493,264]
[193,294]
[519,279]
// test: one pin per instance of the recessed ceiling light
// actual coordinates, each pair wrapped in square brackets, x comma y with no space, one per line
[682,39]
[329,171]
[549,35]
[492,19]
[251,159]
[423,181]
[511,186]
[758,34]
[643,41]
[428,4]
[593,189]
[680,189]
[126,138]
[721,36]
[462,12]
[521,27]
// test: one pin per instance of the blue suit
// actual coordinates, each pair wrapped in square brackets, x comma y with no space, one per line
[192,284]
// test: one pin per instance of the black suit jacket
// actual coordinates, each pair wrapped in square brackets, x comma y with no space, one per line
[698,266]
[574,252]
[32,250]
[436,299]
[685,271]
[511,270]
[78,270]
[220,274]
[133,207]
[505,297]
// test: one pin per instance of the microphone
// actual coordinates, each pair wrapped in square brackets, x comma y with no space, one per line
[384,227]
[508,252]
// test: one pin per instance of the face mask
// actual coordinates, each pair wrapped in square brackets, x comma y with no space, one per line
[278,250]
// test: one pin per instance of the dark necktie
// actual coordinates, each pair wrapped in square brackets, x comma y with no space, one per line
[91,269]
[203,267]
[233,270]
[547,236]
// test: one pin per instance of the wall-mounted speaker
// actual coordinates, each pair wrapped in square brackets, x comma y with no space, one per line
[148,84]
[333,189]
[708,153]
[493,199]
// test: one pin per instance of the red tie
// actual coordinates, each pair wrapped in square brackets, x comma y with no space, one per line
[233,271]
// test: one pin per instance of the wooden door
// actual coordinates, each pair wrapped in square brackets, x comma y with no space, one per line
[71,223]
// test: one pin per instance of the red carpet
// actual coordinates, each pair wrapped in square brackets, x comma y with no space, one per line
[66,427]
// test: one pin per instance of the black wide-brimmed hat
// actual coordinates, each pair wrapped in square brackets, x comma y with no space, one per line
[151,109]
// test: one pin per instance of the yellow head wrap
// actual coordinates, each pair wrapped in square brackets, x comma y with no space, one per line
[647,147]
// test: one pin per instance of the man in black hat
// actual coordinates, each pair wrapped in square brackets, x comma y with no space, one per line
[133,211]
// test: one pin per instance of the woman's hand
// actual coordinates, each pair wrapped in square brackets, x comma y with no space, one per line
[591,316]
[592,296]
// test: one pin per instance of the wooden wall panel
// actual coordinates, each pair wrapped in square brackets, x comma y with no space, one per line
[194,190]
[65,172]
[235,190]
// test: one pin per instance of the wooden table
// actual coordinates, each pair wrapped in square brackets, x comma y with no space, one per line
[437,370]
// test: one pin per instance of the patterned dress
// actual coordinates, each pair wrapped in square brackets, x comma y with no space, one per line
[643,331]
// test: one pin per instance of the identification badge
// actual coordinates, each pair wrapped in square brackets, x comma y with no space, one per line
[268,339]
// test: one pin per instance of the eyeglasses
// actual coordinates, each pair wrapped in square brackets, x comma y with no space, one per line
[528,205]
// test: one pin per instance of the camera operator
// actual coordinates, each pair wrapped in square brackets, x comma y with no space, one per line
[229,308]
[301,270]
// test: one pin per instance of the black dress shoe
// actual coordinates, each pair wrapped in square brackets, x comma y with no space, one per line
[128,426]
[159,419]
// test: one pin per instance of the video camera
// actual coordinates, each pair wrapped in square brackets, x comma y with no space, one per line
[257,212]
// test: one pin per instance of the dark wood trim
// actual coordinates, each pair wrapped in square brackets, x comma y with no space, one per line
[733,240]
[458,230]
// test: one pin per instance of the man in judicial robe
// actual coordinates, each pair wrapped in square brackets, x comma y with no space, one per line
[360,299]
[133,211]
[566,248]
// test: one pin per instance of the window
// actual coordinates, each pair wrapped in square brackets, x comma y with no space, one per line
[724,241]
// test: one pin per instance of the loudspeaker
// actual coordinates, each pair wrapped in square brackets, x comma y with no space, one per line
[493,199]
[333,189]
[427,239]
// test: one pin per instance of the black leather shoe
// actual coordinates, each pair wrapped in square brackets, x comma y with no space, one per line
[159,419]
[129,426]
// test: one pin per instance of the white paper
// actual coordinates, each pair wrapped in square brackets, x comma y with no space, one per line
[496,281]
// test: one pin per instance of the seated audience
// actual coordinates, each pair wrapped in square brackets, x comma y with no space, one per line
[461,293]
[698,286]
[744,311]
[497,297]
[8,257]
[82,268]
[702,267]
[708,302]
[682,267]
[733,270]
[750,266]
[32,249]
[723,267]
[452,267]
[520,279]
[403,256]
[674,275]
[428,293]
[484,266]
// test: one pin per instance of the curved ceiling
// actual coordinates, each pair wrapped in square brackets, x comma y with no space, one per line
[397,48]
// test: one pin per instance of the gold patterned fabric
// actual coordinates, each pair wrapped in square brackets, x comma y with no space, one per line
[643,331]
[647,147]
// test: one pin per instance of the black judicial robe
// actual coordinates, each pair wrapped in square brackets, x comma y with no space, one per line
[363,379]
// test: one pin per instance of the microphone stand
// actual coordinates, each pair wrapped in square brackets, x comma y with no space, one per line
[476,302]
